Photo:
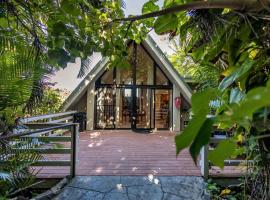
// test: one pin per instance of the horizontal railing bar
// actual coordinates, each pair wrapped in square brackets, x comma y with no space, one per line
[52,163]
[235,162]
[36,118]
[217,140]
[60,120]
[51,138]
[46,151]
[38,131]
[228,163]
[37,125]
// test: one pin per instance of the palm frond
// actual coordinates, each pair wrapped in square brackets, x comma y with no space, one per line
[20,72]
[5,176]
[85,66]
[16,160]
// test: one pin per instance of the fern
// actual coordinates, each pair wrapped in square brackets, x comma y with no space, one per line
[15,163]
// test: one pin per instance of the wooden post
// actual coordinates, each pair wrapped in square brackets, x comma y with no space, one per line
[204,163]
[74,145]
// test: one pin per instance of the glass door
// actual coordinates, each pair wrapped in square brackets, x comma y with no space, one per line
[123,108]
[105,110]
[144,110]
[162,108]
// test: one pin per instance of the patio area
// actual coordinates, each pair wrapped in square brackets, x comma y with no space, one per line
[123,152]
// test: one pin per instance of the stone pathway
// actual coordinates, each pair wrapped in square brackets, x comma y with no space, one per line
[135,188]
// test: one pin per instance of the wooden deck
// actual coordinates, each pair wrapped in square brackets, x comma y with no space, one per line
[123,152]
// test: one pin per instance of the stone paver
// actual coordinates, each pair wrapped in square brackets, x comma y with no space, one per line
[135,188]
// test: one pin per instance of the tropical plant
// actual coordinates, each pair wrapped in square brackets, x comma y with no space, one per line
[38,37]
[232,37]
[50,103]
[203,75]
[16,173]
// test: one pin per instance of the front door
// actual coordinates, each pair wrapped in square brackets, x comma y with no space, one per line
[144,109]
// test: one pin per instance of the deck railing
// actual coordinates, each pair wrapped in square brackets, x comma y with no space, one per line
[48,131]
[205,165]
[51,118]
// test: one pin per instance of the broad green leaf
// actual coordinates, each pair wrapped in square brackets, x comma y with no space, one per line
[184,139]
[183,31]
[149,6]
[233,51]
[124,63]
[255,99]
[223,151]
[236,95]
[70,8]
[169,3]
[166,23]
[200,101]
[240,72]
[242,113]
[202,138]
[211,52]
[58,57]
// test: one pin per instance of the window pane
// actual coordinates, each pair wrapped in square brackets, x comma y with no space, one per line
[144,108]
[123,108]
[105,108]
[124,75]
[144,69]
[160,78]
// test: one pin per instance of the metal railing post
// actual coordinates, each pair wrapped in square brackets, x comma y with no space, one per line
[74,133]
[204,163]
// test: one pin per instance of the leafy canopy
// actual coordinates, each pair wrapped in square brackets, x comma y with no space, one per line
[229,38]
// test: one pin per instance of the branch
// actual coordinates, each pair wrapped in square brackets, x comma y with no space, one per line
[128,29]
[247,5]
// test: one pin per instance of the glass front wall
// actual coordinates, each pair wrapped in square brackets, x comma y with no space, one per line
[144,105]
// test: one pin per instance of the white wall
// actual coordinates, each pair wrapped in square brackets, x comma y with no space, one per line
[176,112]
[90,106]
